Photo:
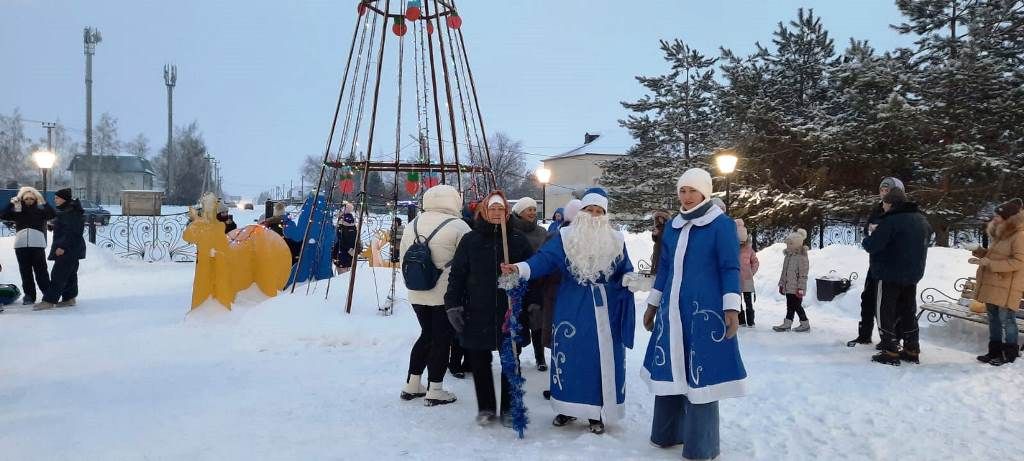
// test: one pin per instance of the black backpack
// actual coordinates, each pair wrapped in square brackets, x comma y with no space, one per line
[418,268]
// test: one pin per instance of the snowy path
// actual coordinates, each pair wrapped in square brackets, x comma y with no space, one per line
[125,375]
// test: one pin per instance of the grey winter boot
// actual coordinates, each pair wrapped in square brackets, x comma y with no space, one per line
[413,388]
[42,306]
[66,303]
[786,325]
[485,418]
[436,395]
[805,325]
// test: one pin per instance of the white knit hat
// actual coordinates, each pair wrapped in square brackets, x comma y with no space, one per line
[697,179]
[572,209]
[595,196]
[523,204]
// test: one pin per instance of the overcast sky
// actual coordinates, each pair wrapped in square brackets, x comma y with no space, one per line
[261,77]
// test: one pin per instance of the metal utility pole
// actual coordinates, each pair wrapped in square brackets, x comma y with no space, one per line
[49,148]
[170,79]
[91,37]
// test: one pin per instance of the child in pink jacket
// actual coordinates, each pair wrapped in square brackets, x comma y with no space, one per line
[748,267]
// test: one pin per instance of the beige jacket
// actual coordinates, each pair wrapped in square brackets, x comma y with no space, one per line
[439,203]
[1001,280]
[794,270]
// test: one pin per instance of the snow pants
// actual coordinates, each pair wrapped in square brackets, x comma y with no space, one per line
[32,265]
[868,308]
[63,280]
[431,349]
[795,305]
[679,421]
[483,381]
[747,318]
[897,316]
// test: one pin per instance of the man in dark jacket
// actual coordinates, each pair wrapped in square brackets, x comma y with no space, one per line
[899,249]
[868,296]
[476,306]
[67,249]
[29,211]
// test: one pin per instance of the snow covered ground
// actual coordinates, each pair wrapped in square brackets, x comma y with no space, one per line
[128,375]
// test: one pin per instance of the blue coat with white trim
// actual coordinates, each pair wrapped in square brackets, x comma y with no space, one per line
[698,279]
[592,325]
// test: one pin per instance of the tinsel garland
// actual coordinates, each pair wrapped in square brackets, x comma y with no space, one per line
[509,360]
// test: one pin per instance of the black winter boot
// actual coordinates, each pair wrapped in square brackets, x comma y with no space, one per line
[1010,352]
[887,358]
[994,349]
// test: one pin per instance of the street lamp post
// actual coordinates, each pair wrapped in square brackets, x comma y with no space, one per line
[44,160]
[543,175]
[726,162]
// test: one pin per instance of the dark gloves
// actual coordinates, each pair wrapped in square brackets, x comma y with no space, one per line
[456,319]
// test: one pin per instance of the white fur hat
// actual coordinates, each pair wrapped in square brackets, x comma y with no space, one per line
[698,179]
[797,237]
[572,209]
[523,204]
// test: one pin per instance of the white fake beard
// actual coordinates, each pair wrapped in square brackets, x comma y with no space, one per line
[592,247]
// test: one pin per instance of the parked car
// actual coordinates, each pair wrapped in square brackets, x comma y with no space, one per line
[95,213]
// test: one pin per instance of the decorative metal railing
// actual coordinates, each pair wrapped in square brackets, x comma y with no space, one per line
[147,238]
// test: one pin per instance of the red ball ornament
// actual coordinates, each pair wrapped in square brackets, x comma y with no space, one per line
[399,28]
[361,8]
[431,180]
[454,21]
[430,27]
[412,187]
[347,186]
[413,13]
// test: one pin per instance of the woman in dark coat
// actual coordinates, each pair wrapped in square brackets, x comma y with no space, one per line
[67,249]
[29,211]
[476,307]
[344,249]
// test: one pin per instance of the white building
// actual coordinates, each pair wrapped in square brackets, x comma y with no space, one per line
[575,171]
[113,173]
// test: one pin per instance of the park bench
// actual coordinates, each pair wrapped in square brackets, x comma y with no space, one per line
[940,306]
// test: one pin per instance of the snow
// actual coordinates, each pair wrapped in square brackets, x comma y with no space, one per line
[128,375]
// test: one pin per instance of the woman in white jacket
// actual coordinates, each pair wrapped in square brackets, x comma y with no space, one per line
[442,210]
[29,212]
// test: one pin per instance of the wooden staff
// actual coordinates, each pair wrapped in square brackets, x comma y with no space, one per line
[504,249]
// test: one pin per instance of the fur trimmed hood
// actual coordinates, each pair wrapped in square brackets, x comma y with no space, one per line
[26,191]
[1007,228]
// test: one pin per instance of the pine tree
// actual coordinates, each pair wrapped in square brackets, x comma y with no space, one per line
[675,127]
[967,84]
[777,108]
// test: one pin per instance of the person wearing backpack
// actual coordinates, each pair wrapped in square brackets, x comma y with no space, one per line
[427,248]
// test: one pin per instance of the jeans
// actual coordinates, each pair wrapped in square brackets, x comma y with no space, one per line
[1002,325]
[679,421]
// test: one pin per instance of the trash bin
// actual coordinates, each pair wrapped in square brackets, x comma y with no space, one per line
[832,285]
[9,294]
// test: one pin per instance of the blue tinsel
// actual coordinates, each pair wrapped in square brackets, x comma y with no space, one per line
[509,362]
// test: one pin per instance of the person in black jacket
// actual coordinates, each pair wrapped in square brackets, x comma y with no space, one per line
[29,211]
[868,296]
[898,246]
[476,306]
[67,249]
[344,251]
